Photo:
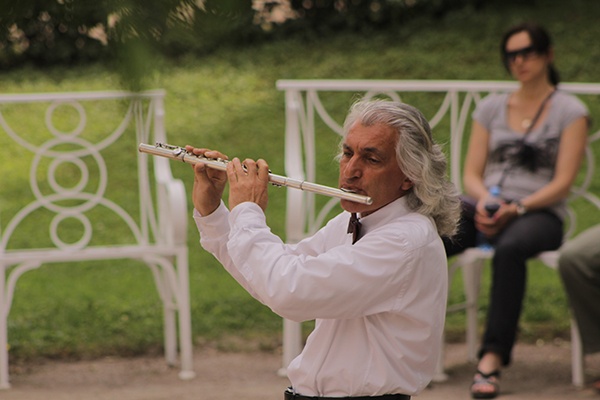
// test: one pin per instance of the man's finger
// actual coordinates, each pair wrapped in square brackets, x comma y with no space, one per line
[263,170]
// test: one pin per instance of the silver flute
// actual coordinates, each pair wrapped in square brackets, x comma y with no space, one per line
[181,154]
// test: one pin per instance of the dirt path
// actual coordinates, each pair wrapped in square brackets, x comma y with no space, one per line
[538,372]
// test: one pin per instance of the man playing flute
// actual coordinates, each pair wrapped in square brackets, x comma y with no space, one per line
[379,295]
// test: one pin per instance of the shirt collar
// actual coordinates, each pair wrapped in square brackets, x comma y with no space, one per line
[393,210]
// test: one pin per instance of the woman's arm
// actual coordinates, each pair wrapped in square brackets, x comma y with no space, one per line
[475,162]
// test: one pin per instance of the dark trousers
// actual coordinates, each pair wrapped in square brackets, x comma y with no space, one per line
[523,238]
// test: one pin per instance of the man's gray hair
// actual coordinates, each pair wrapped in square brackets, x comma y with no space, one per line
[419,158]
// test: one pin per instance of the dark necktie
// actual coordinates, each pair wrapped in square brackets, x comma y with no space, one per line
[354,227]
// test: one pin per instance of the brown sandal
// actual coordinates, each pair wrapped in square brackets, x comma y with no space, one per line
[481,379]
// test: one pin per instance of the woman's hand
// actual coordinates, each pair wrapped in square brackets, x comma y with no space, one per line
[491,225]
[248,182]
[209,183]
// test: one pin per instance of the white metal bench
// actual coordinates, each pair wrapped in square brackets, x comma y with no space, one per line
[314,108]
[90,134]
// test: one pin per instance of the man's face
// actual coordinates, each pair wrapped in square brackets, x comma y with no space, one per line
[368,166]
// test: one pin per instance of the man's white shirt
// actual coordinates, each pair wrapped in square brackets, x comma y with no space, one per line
[379,304]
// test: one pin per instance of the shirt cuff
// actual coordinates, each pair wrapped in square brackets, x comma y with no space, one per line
[246,215]
[213,223]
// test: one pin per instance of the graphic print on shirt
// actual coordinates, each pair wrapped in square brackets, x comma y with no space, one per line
[526,155]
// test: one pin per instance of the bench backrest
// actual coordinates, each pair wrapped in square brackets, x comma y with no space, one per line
[316,108]
[71,156]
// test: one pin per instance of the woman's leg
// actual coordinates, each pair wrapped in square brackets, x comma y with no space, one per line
[524,238]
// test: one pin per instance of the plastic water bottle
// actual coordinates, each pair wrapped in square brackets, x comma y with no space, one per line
[491,206]
[493,203]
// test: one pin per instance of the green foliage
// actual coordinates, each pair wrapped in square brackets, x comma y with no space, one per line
[125,32]
[67,32]
[228,100]
[50,32]
[317,17]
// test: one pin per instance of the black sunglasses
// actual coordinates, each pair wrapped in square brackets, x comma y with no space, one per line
[526,53]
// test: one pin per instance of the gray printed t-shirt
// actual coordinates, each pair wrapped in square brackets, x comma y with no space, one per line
[520,181]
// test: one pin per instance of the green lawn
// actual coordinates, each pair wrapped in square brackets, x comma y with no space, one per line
[229,101]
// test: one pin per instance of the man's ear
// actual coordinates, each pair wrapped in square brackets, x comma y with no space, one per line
[406,184]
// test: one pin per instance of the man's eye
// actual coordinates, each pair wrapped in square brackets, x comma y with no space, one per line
[373,160]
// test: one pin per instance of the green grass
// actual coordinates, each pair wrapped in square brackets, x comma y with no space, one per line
[229,101]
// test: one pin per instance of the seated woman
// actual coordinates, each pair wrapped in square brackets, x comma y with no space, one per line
[528,145]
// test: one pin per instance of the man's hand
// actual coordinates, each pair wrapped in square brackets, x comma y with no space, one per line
[209,183]
[248,182]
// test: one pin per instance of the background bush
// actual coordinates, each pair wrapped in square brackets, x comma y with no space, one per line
[67,32]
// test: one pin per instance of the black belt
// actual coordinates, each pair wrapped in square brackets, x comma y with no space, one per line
[291,396]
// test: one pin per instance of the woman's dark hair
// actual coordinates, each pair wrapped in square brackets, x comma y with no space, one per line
[540,41]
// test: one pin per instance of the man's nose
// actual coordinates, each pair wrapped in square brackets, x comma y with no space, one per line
[352,169]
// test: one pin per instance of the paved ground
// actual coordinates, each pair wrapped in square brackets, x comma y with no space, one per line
[539,372]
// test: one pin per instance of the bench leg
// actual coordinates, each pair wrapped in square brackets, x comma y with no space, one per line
[4,383]
[577,356]
[185,319]
[292,343]
[472,284]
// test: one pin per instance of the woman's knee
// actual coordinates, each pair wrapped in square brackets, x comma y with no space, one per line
[510,250]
